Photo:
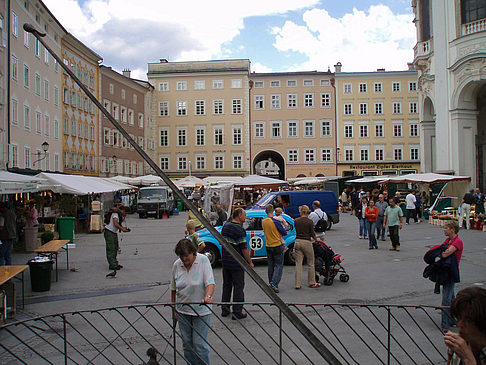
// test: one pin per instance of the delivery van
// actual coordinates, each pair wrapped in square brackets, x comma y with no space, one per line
[155,201]
[291,201]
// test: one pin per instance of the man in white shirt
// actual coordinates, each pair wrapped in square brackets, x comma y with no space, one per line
[410,199]
[316,215]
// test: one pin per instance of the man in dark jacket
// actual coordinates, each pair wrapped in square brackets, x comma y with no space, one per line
[8,233]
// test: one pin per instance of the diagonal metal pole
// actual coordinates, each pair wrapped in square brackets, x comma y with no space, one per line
[291,316]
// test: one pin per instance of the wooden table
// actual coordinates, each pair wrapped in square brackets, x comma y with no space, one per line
[11,271]
[52,248]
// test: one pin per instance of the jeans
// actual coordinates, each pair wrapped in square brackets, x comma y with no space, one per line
[411,213]
[6,252]
[380,230]
[447,297]
[275,264]
[394,236]
[233,281]
[194,331]
[465,210]
[362,227]
[371,228]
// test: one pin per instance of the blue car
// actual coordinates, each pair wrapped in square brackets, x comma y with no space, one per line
[255,238]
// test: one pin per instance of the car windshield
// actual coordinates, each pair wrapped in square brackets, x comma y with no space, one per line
[265,200]
[152,194]
[253,224]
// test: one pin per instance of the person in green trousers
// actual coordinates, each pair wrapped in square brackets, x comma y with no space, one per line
[113,220]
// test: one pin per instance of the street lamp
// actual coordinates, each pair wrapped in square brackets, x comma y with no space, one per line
[189,165]
[45,148]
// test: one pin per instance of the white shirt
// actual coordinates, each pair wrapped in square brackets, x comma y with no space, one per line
[111,225]
[410,199]
[316,215]
[190,286]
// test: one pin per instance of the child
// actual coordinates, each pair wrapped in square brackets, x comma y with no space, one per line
[193,236]
[278,216]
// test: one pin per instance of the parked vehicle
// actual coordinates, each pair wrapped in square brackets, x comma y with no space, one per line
[255,238]
[291,200]
[155,201]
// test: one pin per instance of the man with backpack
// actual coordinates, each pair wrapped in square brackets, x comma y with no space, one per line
[113,220]
[319,218]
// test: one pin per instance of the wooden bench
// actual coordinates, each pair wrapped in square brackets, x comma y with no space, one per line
[11,271]
[52,248]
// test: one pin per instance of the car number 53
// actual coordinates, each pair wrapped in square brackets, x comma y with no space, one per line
[256,243]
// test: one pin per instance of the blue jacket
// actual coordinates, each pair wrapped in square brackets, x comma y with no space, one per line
[442,271]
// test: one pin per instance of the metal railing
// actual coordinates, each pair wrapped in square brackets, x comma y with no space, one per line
[355,333]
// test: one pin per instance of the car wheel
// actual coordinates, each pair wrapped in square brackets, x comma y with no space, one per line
[141,216]
[289,257]
[212,253]
[329,225]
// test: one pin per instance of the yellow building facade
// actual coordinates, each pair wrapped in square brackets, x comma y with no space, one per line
[377,122]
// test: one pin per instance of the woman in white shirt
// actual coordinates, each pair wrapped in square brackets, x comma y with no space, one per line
[192,282]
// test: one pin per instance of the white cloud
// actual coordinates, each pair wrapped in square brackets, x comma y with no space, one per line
[260,68]
[361,41]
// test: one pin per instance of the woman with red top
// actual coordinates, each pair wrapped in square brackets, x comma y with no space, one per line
[371,215]
[454,246]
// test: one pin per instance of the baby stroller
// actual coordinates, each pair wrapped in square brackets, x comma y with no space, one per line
[328,264]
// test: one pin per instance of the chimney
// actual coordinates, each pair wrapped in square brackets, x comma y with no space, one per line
[126,72]
[337,67]
[164,60]
[410,66]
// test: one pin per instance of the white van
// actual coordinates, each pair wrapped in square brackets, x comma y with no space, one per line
[154,201]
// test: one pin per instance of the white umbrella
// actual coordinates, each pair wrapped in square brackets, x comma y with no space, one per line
[257,180]
[189,182]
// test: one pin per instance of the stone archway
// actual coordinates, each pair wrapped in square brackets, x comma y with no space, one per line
[481,139]
[427,136]
[269,163]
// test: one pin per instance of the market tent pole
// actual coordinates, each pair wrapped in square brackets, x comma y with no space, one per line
[293,318]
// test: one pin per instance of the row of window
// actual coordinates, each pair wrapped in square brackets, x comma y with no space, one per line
[42,124]
[123,93]
[292,101]
[200,136]
[79,100]
[379,129]
[292,83]
[200,107]
[380,155]
[121,167]
[378,108]
[39,87]
[112,137]
[181,85]
[79,161]
[200,162]
[122,114]
[15,21]
[34,160]
[85,76]
[77,128]
[378,87]
[293,128]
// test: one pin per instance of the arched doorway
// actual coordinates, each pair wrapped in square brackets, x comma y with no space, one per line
[428,136]
[481,138]
[270,164]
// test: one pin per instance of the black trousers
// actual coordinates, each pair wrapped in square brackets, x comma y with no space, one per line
[411,213]
[233,281]
[394,235]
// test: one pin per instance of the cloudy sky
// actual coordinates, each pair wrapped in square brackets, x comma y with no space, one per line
[276,35]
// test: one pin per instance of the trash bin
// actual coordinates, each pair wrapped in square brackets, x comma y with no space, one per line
[30,238]
[40,273]
[65,227]
[179,204]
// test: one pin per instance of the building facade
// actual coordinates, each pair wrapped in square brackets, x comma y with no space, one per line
[125,100]
[450,55]
[4,79]
[81,125]
[293,124]
[201,113]
[377,122]
[35,110]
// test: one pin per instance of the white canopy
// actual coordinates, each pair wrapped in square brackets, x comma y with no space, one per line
[257,180]
[220,180]
[146,180]
[80,184]
[122,179]
[314,180]
[11,183]
[189,182]
[427,178]
[370,179]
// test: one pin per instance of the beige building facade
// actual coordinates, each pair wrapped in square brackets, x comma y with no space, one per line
[378,130]
[293,124]
[201,114]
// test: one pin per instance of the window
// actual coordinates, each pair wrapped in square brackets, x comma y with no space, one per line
[26,76]
[112,87]
[200,136]
[379,130]
[123,94]
[308,128]
[291,83]
[308,82]
[182,163]
[348,131]
[259,84]
[378,108]
[130,117]
[26,117]
[46,90]
[37,48]
[218,162]
[47,125]
[379,153]
[181,137]
[326,155]
[472,10]
[259,129]
[218,84]
[363,87]
[291,101]
[56,162]
[237,135]
[397,130]
[181,85]
[91,132]
[163,108]
[199,85]
[308,100]
[200,162]
[396,86]
[363,108]
[15,112]
[414,153]
[48,157]
[414,130]
[15,155]
[275,83]
[363,131]
[27,157]
[66,126]
[349,154]
[412,86]
[26,39]
[259,102]
[412,107]
[164,86]
[326,130]
[348,109]
[218,106]
[363,154]
[135,98]
[310,155]
[275,99]
[236,106]
[164,137]
[200,107]
[181,108]
[116,111]
[276,129]
[218,135]
[37,82]
[38,122]
[397,153]
[292,128]
[15,68]
[397,108]
[56,95]
[325,82]
[73,131]
[236,84]
[378,86]
[15,24]
[325,100]
[237,162]
[293,155]
[164,162]
[348,88]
